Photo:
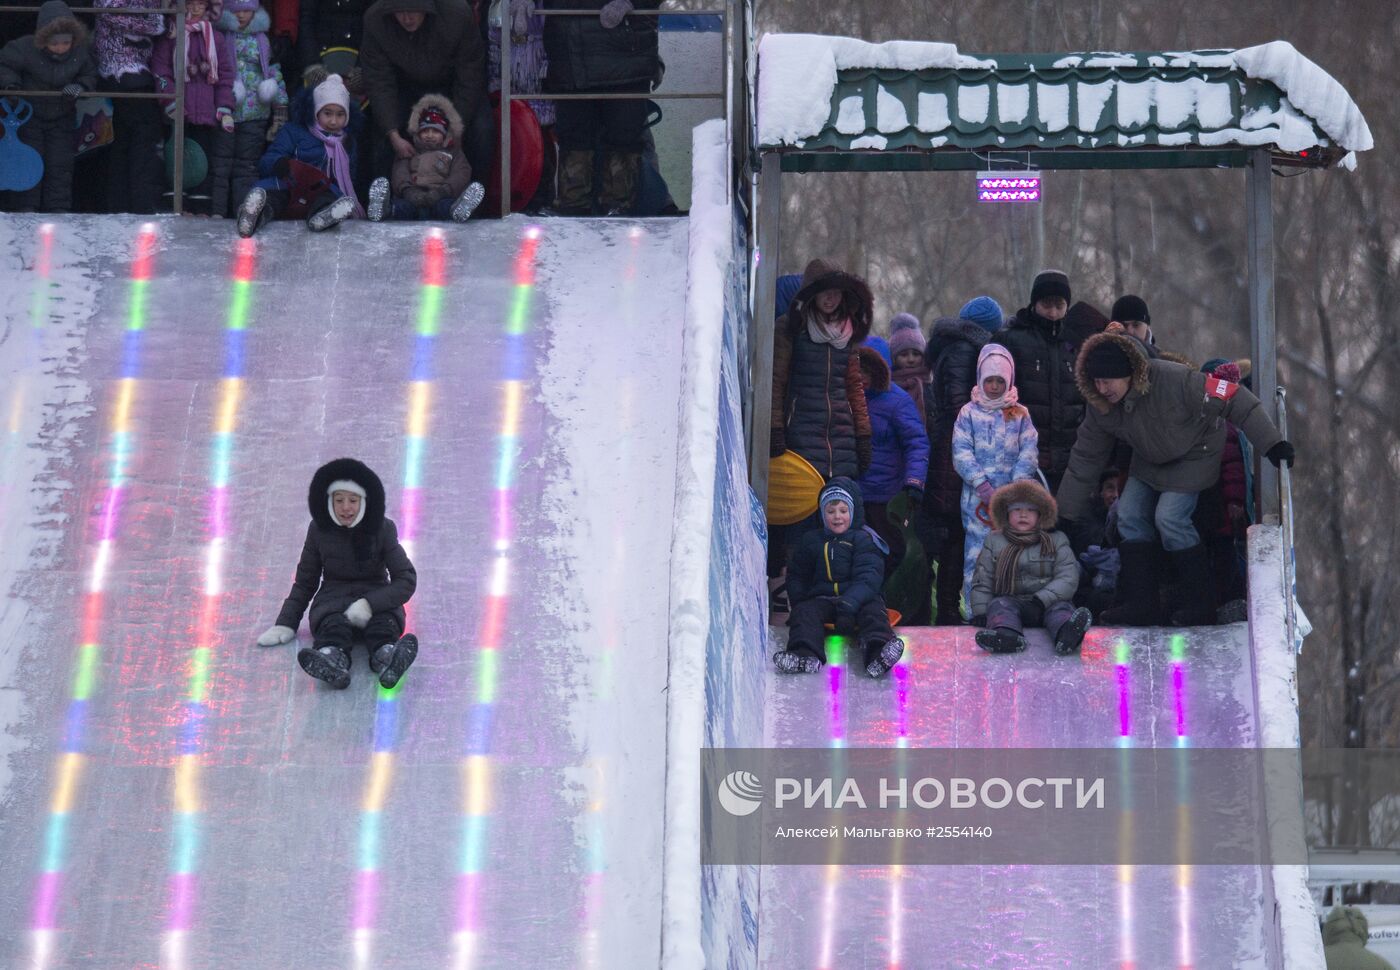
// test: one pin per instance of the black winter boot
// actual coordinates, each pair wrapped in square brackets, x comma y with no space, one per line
[1138,585]
[1197,591]
[1001,640]
[329,663]
[1071,633]
[392,659]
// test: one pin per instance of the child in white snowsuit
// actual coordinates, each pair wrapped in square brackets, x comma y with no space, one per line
[1026,575]
[354,575]
[994,444]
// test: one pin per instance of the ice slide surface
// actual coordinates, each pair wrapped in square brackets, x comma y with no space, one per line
[1133,688]
[172,795]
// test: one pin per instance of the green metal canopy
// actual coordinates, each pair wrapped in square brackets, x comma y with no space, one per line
[1139,110]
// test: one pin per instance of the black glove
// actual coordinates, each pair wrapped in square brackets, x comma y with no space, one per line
[72,90]
[1280,452]
[916,496]
[845,622]
[282,168]
[777,442]
[863,452]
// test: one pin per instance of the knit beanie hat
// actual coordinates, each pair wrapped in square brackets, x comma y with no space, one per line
[433,118]
[983,311]
[835,493]
[331,91]
[905,334]
[236,6]
[1048,283]
[994,360]
[1130,307]
[1107,359]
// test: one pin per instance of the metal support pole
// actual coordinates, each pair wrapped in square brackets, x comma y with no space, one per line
[1263,335]
[177,132]
[769,208]
[506,21]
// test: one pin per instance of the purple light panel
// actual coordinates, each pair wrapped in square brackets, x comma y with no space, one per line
[1008,186]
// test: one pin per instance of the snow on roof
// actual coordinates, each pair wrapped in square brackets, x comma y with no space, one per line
[798,76]
[799,73]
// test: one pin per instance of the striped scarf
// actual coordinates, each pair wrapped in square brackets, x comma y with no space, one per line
[1004,584]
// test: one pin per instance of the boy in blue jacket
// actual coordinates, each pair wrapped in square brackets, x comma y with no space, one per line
[834,576]
[308,170]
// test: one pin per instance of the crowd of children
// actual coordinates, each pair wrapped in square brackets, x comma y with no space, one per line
[411,76]
[972,430]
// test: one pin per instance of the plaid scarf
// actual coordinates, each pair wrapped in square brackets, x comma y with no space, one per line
[1004,584]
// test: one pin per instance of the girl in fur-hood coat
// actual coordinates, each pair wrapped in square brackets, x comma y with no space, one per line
[353,574]
[437,172]
[994,443]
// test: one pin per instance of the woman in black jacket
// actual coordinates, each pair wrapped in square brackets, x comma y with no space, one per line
[354,575]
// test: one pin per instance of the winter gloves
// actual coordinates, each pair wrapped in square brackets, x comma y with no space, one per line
[72,90]
[226,120]
[275,636]
[358,613]
[613,11]
[984,492]
[845,622]
[1279,453]
[915,494]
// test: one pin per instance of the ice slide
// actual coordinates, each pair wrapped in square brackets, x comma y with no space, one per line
[172,795]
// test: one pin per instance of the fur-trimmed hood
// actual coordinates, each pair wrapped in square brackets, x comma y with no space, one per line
[55,17]
[950,330]
[347,469]
[859,301]
[1136,355]
[1024,490]
[260,24]
[874,359]
[454,120]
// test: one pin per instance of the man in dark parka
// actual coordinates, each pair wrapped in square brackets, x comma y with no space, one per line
[354,575]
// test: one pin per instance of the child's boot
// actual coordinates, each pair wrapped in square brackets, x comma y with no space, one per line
[253,213]
[1071,632]
[392,659]
[796,662]
[378,199]
[467,202]
[331,215]
[329,663]
[1001,640]
[889,655]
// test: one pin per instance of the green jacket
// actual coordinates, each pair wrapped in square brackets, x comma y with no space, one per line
[1344,937]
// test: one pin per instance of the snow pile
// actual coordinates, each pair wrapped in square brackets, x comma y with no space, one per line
[797,73]
[1311,90]
[1276,705]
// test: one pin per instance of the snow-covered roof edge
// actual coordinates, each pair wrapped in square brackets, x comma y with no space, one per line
[798,75]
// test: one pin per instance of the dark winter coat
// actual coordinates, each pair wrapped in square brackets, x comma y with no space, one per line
[899,443]
[203,99]
[25,64]
[1175,426]
[1049,579]
[952,352]
[584,55]
[848,565]
[338,565]
[123,41]
[433,174]
[329,23]
[295,140]
[1344,936]
[1044,353]
[446,55]
[818,399]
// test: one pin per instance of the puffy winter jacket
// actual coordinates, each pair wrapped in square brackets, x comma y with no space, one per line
[295,140]
[1176,427]
[818,401]
[850,565]
[123,41]
[432,174]
[899,444]
[248,104]
[25,64]
[446,54]
[952,352]
[1050,579]
[203,98]
[584,55]
[1344,936]
[1044,352]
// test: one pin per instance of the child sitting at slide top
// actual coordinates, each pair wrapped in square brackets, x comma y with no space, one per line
[436,183]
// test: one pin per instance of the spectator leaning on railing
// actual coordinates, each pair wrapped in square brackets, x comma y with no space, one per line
[122,48]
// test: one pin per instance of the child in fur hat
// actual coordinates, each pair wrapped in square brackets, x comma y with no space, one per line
[210,68]
[56,57]
[994,444]
[354,575]
[1026,575]
[436,182]
[259,95]
[308,170]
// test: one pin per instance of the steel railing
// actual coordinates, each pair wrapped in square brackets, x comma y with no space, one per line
[178,96]
[1285,507]
[507,95]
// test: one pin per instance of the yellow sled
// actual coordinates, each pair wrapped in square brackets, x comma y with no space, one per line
[793,488]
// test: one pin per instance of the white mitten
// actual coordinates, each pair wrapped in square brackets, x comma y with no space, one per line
[267,90]
[275,636]
[359,613]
